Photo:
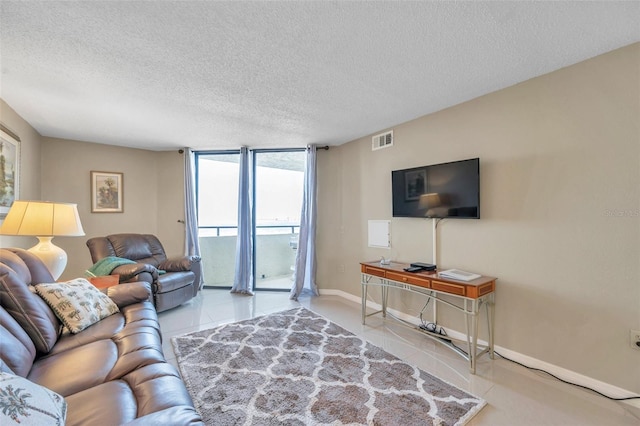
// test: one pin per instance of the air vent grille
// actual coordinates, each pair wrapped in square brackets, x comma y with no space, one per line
[383,140]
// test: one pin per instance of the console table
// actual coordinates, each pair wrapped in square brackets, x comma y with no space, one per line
[464,296]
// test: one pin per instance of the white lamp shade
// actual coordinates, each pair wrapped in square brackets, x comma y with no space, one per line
[429,201]
[42,218]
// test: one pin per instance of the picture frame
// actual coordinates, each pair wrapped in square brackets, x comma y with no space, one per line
[9,169]
[415,184]
[107,192]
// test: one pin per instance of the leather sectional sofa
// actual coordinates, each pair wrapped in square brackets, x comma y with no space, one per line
[110,373]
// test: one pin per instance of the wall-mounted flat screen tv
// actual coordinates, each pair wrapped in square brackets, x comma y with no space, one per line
[448,190]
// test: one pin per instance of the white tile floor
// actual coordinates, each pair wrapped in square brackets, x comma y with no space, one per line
[514,395]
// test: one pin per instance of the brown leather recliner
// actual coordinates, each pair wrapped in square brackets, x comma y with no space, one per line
[179,282]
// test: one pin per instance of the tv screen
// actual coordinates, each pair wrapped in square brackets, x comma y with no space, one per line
[448,190]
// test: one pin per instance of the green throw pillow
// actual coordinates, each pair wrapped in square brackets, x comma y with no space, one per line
[24,402]
[77,303]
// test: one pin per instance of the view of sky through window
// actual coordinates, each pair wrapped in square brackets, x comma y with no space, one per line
[279,181]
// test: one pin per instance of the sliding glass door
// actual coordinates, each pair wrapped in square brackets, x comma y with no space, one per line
[278,183]
[277,186]
[217,204]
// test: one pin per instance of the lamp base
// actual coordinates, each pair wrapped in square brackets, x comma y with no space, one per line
[51,255]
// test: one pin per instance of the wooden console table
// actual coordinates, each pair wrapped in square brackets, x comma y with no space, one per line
[472,294]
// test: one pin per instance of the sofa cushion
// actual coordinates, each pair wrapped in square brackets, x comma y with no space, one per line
[136,247]
[132,319]
[20,358]
[26,402]
[26,307]
[104,329]
[155,390]
[77,303]
[117,405]
[77,369]
[158,387]
[106,351]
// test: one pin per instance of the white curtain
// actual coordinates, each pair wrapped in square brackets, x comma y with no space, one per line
[191,242]
[243,280]
[305,269]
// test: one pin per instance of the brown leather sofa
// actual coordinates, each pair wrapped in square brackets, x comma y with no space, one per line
[180,282]
[111,373]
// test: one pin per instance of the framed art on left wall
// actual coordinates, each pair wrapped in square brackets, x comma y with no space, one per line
[9,169]
[107,192]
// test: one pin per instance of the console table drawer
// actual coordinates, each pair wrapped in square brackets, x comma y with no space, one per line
[370,270]
[403,278]
[460,290]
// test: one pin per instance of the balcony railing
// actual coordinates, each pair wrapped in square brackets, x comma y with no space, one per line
[275,253]
[219,230]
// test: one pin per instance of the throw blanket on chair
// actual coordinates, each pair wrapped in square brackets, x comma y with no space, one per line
[107,264]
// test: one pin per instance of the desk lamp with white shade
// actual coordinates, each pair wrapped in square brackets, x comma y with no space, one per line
[45,220]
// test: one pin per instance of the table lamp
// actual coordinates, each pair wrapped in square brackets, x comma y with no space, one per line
[430,202]
[45,220]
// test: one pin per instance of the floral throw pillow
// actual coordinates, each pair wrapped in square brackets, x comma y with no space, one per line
[24,402]
[77,303]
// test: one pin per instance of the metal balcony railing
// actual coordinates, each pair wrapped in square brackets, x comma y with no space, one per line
[275,252]
[294,229]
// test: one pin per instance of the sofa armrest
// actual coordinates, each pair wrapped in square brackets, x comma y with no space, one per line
[129,271]
[129,293]
[176,264]
[180,415]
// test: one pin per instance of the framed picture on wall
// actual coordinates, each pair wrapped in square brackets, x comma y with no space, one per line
[107,192]
[415,183]
[9,169]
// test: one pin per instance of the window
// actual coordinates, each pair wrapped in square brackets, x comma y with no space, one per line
[278,179]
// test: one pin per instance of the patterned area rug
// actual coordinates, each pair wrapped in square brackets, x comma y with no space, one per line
[298,368]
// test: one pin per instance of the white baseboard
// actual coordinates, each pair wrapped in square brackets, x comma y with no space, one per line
[563,373]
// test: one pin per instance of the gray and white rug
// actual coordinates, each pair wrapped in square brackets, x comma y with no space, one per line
[298,368]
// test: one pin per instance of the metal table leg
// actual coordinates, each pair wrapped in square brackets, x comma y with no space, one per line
[364,302]
[385,294]
[490,307]
[474,335]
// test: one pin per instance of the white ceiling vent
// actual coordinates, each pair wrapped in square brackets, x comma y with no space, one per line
[383,140]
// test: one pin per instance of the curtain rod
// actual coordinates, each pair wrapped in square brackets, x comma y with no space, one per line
[326,148]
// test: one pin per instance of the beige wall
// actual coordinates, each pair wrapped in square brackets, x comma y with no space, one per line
[59,170]
[170,195]
[30,143]
[560,211]
[153,194]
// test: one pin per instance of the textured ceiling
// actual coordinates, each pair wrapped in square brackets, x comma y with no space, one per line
[209,75]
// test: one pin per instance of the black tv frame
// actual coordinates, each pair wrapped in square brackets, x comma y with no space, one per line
[457,184]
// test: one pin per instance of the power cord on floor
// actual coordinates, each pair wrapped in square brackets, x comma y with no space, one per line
[553,375]
[565,381]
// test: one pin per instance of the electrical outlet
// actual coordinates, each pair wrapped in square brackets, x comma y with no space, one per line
[634,339]
[342,268]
